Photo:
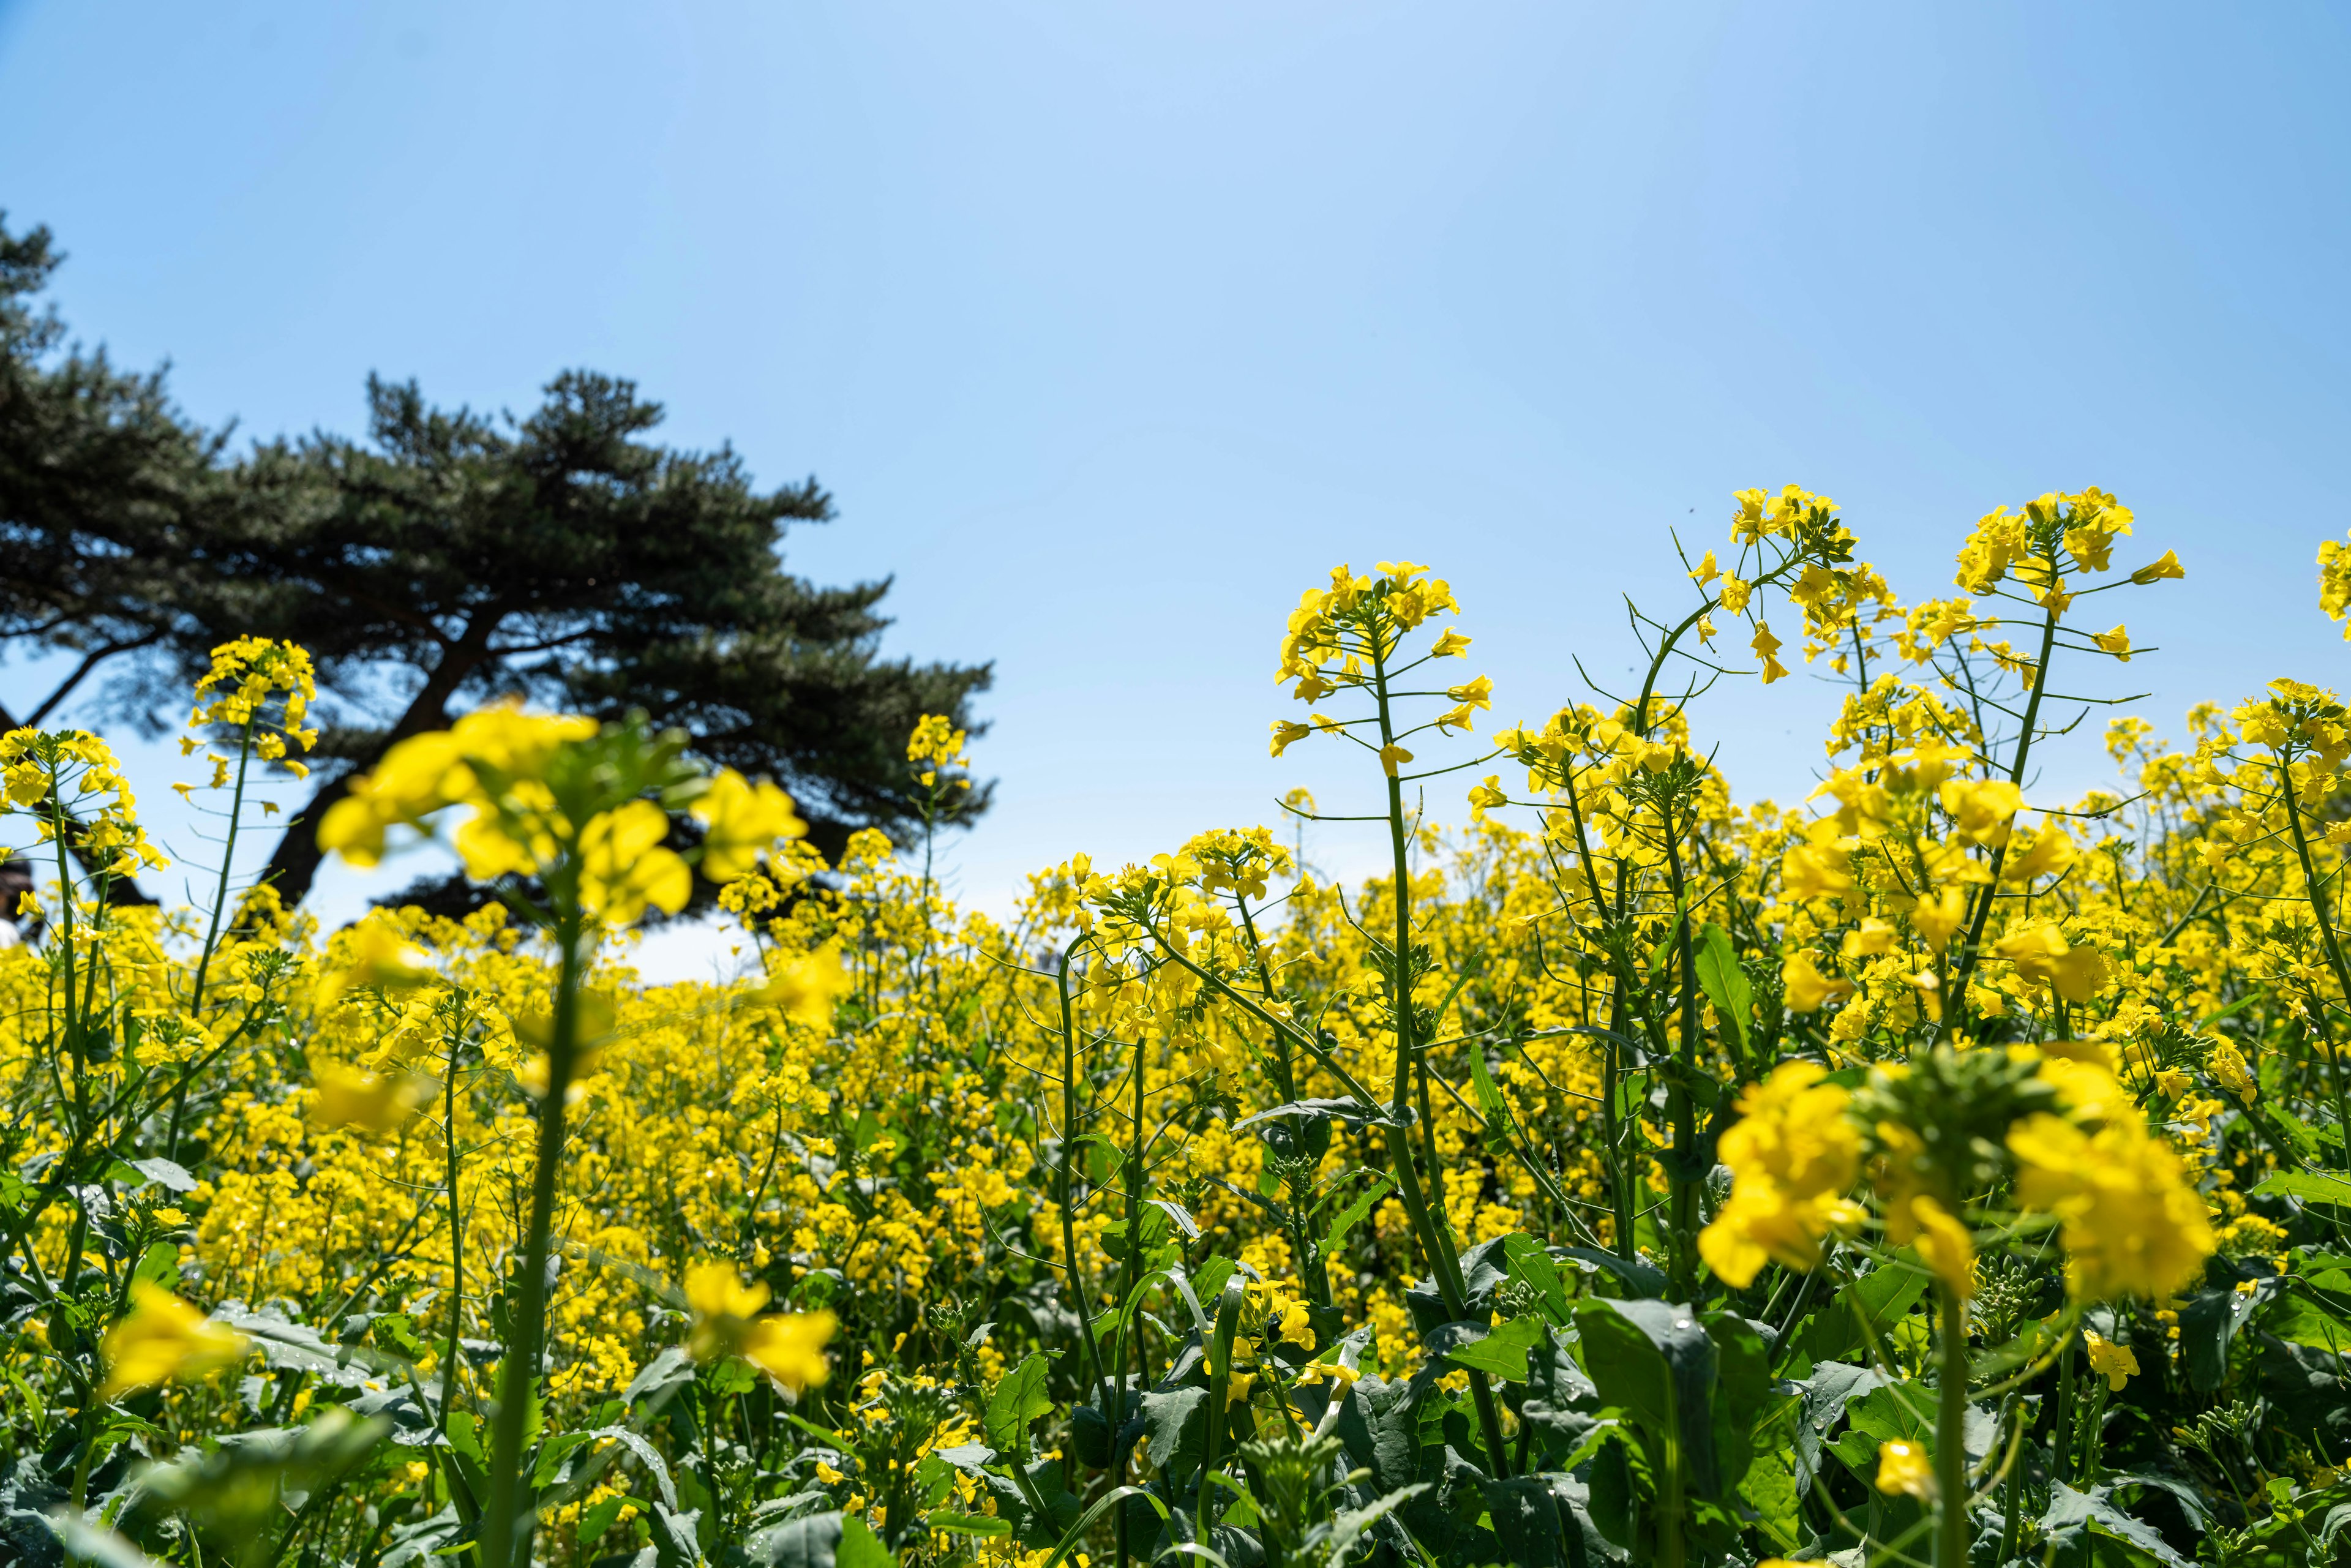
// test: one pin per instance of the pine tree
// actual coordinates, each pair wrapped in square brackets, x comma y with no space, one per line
[451,557]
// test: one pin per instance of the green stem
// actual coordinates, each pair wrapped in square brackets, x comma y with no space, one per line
[507,1519]
[1951,1433]
[456,1235]
[1079,1298]
[1435,1230]
[1973,949]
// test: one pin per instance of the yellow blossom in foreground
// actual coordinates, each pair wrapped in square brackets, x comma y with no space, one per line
[807,987]
[1903,1470]
[1808,990]
[2132,1224]
[163,1339]
[787,1346]
[744,820]
[344,1096]
[1941,1238]
[1792,1155]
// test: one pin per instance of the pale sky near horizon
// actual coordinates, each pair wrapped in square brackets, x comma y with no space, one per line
[1112,327]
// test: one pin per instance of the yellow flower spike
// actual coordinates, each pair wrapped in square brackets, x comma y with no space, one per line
[2113,1361]
[375,1102]
[1767,648]
[1905,1470]
[163,1340]
[1287,734]
[789,1348]
[1792,1155]
[807,987]
[1451,645]
[1944,1240]
[1808,990]
[1871,939]
[2132,1223]
[379,958]
[1478,693]
[2232,1072]
[1980,808]
[744,820]
[1315,1372]
[2164,566]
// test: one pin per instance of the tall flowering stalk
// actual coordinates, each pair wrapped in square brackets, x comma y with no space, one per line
[568,817]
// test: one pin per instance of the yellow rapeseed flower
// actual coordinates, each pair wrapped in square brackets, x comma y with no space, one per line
[163,1339]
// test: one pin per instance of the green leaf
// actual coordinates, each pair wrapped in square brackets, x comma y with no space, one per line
[2208,1326]
[1875,1302]
[1352,1216]
[1652,1361]
[1530,1263]
[860,1547]
[947,1521]
[2310,1186]
[600,1518]
[2305,1321]
[1174,1426]
[1498,1352]
[2072,1514]
[1724,982]
[160,1265]
[1742,1389]
[1638,1279]
[1491,1103]
[1018,1400]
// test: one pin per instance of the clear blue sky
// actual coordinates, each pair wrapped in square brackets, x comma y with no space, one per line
[1112,327]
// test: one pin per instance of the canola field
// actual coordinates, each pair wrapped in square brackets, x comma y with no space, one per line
[1929,1172]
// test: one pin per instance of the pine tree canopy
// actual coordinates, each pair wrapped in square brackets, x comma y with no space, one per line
[449,558]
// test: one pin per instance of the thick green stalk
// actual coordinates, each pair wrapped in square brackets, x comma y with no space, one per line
[228,865]
[1079,1296]
[1973,949]
[1435,1230]
[1951,1433]
[2334,959]
[211,931]
[507,1519]
[457,1232]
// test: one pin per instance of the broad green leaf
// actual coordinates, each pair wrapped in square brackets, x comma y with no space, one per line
[1499,1352]
[1875,1301]
[2310,1186]
[1637,1278]
[1724,982]
[860,1547]
[600,1517]
[2074,1514]
[1018,1400]
[1654,1361]
[1742,1390]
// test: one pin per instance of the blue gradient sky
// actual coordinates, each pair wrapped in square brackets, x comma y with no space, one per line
[1113,327]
